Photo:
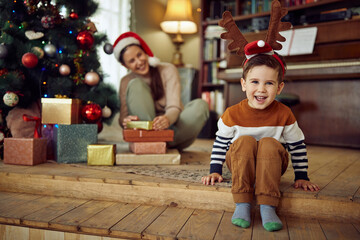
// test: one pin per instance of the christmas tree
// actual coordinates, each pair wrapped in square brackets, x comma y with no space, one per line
[48,49]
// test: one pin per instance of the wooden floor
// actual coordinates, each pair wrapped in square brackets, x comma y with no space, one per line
[49,200]
[62,216]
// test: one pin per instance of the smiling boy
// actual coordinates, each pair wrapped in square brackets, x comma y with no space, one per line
[254,138]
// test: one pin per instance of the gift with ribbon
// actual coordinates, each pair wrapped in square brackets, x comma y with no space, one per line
[26,151]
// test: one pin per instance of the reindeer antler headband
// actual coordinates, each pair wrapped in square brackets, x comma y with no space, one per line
[272,39]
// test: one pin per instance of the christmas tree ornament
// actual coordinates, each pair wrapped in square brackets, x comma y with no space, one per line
[29,60]
[64,69]
[91,112]
[73,15]
[85,40]
[38,52]
[108,48]
[50,50]
[106,112]
[48,21]
[10,99]
[32,35]
[90,26]
[3,51]
[92,78]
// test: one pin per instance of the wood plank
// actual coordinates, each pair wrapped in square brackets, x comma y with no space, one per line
[229,231]
[135,223]
[13,232]
[323,209]
[183,197]
[17,212]
[318,158]
[168,224]
[102,222]
[12,204]
[57,208]
[259,232]
[301,228]
[201,225]
[6,196]
[324,175]
[345,185]
[71,220]
[334,230]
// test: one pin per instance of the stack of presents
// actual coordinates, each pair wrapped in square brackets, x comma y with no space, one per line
[72,141]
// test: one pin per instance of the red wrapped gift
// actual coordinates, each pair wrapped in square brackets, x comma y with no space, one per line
[132,135]
[25,151]
[148,147]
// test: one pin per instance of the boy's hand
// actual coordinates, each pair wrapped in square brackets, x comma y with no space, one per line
[211,179]
[306,185]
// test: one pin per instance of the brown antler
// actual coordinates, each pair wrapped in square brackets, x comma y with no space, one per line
[233,33]
[276,26]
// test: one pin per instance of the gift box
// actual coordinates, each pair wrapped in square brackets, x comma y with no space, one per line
[25,151]
[148,147]
[71,142]
[132,135]
[60,111]
[101,154]
[146,125]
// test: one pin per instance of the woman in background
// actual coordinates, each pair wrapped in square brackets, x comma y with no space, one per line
[151,91]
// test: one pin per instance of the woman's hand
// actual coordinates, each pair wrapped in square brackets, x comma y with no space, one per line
[306,185]
[129,119]
[211,179]
[161,122]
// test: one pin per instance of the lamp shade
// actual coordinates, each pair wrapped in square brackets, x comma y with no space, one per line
[178,17]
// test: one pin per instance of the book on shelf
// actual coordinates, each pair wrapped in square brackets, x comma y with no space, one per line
[215,100]
[217,7]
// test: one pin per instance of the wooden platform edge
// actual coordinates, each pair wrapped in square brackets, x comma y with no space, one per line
[156,194]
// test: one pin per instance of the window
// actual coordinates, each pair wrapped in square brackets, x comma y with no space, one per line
[112,18]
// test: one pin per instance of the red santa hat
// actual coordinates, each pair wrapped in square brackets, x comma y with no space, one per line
[129,38]
[260,47]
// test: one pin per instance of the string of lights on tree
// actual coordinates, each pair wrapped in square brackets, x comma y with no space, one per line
[48,49]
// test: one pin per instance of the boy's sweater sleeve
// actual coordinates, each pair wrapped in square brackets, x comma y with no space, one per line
[221,144]
[297,148]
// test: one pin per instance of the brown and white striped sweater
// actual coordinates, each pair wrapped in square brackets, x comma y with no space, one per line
[276,121]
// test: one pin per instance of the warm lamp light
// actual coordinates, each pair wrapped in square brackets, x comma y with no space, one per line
[178,20]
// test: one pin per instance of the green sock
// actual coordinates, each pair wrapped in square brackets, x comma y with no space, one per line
[270,220]
[241,216]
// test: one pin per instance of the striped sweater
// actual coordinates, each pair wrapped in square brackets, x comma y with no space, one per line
[276,121]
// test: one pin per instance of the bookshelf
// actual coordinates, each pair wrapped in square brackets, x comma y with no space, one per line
[252,18]
[317,77]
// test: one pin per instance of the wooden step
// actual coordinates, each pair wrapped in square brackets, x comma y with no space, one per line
[29,216]
[336,170]
[60,180]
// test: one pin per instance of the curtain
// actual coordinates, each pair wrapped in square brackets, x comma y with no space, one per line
[112,18]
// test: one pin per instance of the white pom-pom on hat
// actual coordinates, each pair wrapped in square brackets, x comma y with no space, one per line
[261,43]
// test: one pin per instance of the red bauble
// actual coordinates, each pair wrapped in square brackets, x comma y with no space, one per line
[91,113]
[85,40]
[29,60]
[74,15]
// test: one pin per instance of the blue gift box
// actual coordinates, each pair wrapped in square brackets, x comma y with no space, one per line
[71,142]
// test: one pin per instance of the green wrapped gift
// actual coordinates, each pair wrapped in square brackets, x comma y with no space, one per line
[71,142]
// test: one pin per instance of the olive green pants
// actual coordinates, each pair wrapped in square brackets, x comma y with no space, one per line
[188,125]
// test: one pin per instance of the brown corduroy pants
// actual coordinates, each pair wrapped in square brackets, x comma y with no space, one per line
[256,167]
